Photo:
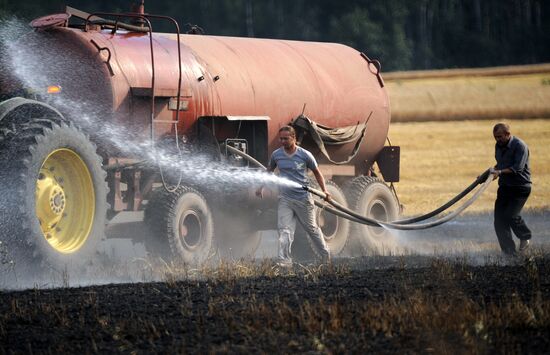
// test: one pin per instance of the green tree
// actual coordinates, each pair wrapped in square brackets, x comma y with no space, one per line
[379,32]
[358,30]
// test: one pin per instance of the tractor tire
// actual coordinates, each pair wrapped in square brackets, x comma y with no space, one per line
[370,197]
[182,226]
[54,194]
[336,230]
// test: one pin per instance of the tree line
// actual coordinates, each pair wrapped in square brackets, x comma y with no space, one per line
[402,34]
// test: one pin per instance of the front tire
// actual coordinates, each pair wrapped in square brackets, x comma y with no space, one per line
[55,192]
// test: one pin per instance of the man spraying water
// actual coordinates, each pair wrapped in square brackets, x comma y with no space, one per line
[295,203]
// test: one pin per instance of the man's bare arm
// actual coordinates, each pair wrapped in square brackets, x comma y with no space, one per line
[321,181]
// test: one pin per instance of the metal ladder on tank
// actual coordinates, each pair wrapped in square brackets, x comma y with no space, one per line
[145,18]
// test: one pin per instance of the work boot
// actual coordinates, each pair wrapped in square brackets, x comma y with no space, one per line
[524,244]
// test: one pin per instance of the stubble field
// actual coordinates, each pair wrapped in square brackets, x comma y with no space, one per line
[483,93]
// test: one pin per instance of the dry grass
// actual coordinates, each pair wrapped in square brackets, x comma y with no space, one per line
[439,159]
[470,97]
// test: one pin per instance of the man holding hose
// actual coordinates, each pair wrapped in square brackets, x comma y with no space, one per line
[514,187]
[294,202]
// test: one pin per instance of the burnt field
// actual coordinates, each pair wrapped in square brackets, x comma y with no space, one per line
[379,304]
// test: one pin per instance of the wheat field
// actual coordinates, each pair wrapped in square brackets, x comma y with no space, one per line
[440,159]
[513,92]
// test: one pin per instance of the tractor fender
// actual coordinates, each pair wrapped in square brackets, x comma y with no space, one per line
[13,104]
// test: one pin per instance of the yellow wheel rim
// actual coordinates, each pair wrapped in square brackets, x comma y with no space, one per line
[65,200]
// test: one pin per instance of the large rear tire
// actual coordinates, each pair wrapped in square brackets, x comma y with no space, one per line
[54,192]
[182,226]
[372,198]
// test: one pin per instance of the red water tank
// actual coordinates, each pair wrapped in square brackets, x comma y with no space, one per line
[222,76]
[229,76]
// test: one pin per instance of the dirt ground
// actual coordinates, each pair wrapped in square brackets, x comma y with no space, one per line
[446,291]
[387,304]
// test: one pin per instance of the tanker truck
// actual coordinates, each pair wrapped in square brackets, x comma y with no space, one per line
[75,80]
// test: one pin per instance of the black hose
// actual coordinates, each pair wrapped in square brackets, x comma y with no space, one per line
[133,28]
[406,224]
[480,179]
[391,225]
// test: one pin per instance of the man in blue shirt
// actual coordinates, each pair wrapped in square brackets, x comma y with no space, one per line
[295,203]
[512,170]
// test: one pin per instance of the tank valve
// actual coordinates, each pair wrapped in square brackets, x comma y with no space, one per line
[139,9]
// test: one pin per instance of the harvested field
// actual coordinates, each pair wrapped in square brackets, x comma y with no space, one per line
[471,72]
[512,92]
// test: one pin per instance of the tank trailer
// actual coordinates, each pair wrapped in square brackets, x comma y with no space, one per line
[66,179]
